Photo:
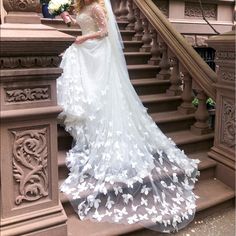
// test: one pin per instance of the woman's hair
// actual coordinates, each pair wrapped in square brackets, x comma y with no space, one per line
[79,4]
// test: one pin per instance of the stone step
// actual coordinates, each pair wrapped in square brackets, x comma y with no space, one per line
[213,196]
[206,166]
[142,71]
[160,102]
[132,46]
[173,121]
[190,142]
[136,58]
[150,86]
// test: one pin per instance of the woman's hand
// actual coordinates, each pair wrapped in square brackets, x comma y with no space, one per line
[80,39]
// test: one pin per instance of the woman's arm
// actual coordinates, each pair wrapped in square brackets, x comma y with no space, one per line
[66,13]
[100,18]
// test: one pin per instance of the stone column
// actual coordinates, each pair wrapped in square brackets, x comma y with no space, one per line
[29,62]
[224,144]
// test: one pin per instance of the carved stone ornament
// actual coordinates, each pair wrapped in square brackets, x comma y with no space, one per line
[225,55]
[21,5]
[29,62]
[228,124]
[30,157]
[193,10]
[27,94]
[227,75]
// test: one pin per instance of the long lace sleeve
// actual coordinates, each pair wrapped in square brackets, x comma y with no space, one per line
[100,18]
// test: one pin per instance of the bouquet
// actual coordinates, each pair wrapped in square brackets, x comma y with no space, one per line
[60,7]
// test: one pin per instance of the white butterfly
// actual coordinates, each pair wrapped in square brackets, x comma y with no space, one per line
[134,208]
[190,206]
[157,219]
[175,178]
[109,203]
[118,190]
[178,199]
[174,209]
[157,199]
[172,187]
[121,212]
[151,210]
[143,217]
[144,201]
[145,190]
[185,215]
[127,197]
[97,216]
[134,164]
[186,185]
[165,211]
[139,179]
[96,203]
[117,218]
[163,183]
[108,213]
[133,219]
[130,184]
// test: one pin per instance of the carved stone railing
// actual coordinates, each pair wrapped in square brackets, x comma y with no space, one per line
[145,18]
[224,143]
[178,61]
[174,42]
[29,177]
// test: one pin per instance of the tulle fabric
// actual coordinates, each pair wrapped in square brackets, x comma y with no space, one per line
[123,169]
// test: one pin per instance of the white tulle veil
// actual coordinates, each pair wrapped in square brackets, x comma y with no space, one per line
[113,29]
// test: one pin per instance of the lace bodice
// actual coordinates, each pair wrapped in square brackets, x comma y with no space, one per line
[92,19]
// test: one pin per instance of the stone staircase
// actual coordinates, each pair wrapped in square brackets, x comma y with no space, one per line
[163,108]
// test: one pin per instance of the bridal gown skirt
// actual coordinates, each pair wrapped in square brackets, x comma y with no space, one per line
[123,169]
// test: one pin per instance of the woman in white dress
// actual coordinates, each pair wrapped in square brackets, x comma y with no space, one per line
[123,169]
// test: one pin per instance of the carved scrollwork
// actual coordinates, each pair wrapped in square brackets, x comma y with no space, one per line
[20,5]
[27,94]
[228,126]
[29,62]
[30,157]
[193,10]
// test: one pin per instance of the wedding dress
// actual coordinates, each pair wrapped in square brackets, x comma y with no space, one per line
[123,169]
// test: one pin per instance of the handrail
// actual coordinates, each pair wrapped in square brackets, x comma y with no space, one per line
[201,73]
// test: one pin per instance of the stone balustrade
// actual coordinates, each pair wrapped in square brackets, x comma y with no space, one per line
[224,143]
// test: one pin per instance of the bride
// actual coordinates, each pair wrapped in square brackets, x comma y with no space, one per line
[123,169]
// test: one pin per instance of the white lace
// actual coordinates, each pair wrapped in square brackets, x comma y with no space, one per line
[122,167]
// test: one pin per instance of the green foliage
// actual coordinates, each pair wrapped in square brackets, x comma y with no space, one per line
[209,101]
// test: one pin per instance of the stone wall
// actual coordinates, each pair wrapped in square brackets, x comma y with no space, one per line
[186,16]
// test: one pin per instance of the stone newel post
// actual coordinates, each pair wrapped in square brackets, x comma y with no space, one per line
[29,196]
[224,144]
